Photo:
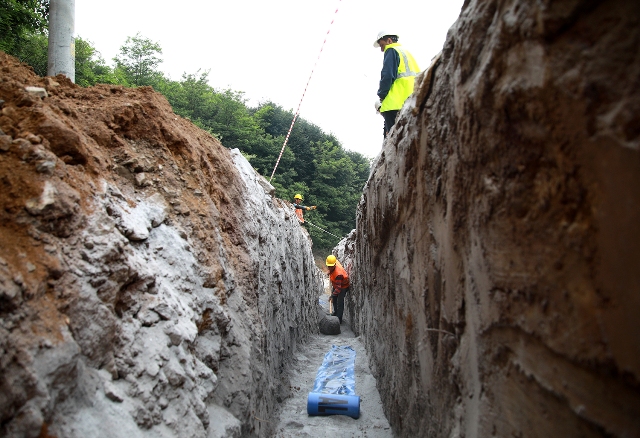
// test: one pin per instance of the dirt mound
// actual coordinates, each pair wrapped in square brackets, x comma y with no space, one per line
[136,289]
[128,136]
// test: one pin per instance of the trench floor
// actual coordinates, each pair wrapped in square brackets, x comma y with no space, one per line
[293,419]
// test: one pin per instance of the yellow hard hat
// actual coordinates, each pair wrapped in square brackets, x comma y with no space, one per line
[331,260]
[298,196]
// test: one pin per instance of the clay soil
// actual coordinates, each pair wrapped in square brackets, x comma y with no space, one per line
[98,134]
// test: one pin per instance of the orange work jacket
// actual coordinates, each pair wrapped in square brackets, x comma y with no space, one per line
[339,277]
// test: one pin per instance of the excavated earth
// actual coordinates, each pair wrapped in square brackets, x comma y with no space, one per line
[150,284]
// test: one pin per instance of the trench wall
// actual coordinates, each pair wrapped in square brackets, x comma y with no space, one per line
[150,283]
[495,272]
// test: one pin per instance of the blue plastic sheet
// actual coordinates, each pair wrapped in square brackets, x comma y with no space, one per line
[336,374]
[334,390]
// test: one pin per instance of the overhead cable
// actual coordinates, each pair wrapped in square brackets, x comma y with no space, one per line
[321,229]
[303,93]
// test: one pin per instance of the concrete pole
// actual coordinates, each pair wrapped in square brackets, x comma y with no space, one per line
[62,50]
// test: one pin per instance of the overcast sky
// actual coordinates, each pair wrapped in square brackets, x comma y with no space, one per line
[267,49]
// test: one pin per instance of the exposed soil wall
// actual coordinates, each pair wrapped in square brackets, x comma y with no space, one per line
[496,276]
[150,285]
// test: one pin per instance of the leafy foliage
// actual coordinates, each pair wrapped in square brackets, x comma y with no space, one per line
[33,51]
[138,61]
[18,20]
[91,68]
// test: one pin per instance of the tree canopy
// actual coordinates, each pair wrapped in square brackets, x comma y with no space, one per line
[138,59]
[19,19]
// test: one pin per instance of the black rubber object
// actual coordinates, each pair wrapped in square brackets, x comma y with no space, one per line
[329,325]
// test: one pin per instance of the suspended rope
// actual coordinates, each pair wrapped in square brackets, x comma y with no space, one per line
[303,93]
[307,222]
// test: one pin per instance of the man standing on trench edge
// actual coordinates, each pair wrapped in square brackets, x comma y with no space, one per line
[339,285]
[399,71]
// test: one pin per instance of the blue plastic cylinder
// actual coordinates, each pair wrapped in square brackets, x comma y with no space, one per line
[333,404]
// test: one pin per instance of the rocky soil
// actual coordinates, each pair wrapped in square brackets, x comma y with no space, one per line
[150,285]
[496,257]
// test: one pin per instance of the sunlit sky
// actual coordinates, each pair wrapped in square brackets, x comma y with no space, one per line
[268,49]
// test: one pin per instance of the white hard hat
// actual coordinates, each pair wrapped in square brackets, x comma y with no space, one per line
[380,35]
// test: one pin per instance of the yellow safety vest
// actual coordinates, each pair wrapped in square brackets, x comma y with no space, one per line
[402,87]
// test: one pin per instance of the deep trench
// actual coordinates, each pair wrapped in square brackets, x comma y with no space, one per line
[495,254]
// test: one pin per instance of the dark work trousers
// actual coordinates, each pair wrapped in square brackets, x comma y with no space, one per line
[338,303]
[389,120]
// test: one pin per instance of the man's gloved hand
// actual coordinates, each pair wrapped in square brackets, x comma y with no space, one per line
[308,208]
[313,207]
[336,292]
[377,105]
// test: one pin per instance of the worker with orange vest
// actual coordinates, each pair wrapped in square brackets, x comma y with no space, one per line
[299,207]
[339,285]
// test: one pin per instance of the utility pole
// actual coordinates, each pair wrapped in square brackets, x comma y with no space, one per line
[62,50]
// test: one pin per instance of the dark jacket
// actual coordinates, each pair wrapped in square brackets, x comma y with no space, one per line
[389,73]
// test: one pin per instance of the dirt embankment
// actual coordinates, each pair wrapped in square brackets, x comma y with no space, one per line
[149,284]
[496,274]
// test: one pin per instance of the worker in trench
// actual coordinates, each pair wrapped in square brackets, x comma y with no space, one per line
[297,199]
[339,285]
[398,74]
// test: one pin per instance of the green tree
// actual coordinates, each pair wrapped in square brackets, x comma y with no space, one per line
[90,67]
[139,62]
[192,97]
[19,19]
[33,51]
